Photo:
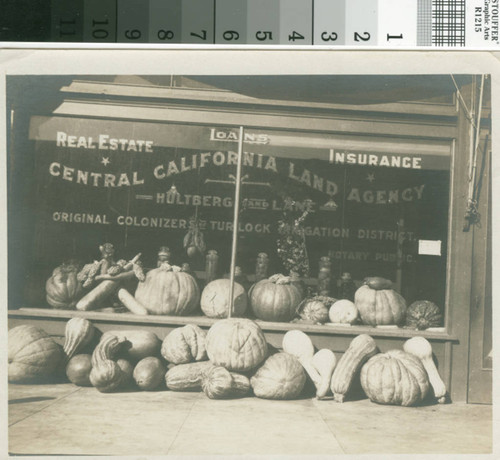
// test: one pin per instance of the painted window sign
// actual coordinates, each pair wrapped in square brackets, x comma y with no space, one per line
[130,182]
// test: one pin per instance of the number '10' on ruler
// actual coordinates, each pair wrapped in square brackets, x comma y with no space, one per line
[266,22]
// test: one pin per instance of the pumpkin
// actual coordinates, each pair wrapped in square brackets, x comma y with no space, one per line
[423,314]
[237,344]
[78,333]
[343,312]
[184,344]
[78,370]
[63,289]
[275,298]
[280,377]
[215,299]
[315,309]
[379,306]
[32,354]
[168,291]
[149,373]
[142,343]
[219,383]
[396,378]
[187,377]
[361,348]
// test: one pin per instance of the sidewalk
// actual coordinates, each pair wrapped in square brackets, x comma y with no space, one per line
[65,419]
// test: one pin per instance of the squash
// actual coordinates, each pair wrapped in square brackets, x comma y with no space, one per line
[185,344]
[396,378]
[109,348]
[78,333]
[78,370]
[63,289]
[149,373]
[131,303]
[275,298]
[361,348]
[107,376]
[219,383]
[32,354]
[127,369]
[187,377]
[378,283]
[343,312]
[423,314]
[142,343]
[215,299]
[168,291]
[298,344]
[280,377]
[379,306]
[97,296]
[237,344]
[315,309]
[422,349]
[324,361]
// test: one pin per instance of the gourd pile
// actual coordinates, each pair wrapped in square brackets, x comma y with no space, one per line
[232,359]
[175,291]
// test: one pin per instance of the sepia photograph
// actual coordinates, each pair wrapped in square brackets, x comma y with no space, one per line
[208,260]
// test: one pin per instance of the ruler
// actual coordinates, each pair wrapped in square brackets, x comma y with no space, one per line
[389,24]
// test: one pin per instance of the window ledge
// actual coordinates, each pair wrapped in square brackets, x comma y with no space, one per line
[157,320]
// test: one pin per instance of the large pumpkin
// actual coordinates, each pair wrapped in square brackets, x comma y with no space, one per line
[423,314]
[237,344]
[395,377]
[32,354]
[168,291]
[280,377]
[63,289]
[275,299]
[379,307]
[215,299]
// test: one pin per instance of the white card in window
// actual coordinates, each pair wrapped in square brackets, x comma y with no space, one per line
[429,247]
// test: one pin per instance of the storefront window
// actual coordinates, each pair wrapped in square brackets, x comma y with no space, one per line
[331,206]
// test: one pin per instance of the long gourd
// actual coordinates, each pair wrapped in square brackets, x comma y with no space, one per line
[361,349]
[101,292]
[422,349]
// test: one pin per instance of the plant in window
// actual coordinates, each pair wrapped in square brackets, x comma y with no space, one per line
[291,242]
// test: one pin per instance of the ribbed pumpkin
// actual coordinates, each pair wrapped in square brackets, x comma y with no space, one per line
[32,354]
[63,289]
[423,314]
[237,344]
[379,307]
[184,345]
[275,299]
[215,299]
[396,378]
[168,291]
[280,377]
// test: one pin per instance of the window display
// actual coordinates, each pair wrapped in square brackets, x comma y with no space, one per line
[334,226]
